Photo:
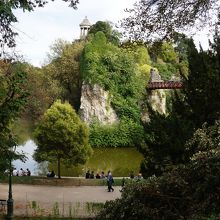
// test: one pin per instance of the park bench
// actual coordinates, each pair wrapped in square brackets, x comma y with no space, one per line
[3,204]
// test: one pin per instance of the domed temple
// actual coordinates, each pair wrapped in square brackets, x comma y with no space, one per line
[84,28]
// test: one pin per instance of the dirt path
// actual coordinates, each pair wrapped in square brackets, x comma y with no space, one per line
[45,197]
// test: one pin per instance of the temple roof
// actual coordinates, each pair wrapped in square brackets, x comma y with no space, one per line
[85,22]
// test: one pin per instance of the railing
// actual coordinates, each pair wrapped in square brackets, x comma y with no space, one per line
[165,85]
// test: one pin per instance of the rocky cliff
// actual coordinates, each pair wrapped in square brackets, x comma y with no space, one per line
[95,104]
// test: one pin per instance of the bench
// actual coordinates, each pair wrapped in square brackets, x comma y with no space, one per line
[3,203]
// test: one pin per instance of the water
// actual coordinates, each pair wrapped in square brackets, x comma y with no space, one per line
[121,161]
[28,150]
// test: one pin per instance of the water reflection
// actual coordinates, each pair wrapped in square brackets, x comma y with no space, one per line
[118,160]
[28,149]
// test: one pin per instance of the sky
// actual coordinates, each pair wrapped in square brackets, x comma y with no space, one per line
[39,29]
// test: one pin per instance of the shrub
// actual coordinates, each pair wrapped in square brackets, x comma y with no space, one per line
[186,192]
[126,133]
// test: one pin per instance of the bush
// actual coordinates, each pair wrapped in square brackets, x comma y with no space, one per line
[186,192]
[126,133]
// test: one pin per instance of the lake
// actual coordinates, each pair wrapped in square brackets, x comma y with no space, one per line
[121,161]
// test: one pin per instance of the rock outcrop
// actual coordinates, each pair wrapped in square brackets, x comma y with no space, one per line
[157,99]
[95,104]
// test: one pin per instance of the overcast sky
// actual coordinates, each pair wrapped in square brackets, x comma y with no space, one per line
[39,29]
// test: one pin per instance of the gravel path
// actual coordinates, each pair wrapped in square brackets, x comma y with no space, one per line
[64,196]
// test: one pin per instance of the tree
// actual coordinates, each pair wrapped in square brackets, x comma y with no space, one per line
[202,86]
[197,103]
[13,97]
[116,72]
[7,17]
[165,138]
[64,69]
[160,19]
[61,136]
[186,192]
[43,91]
[112,35]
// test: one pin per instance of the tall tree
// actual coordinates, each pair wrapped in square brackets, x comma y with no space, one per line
[64,69]
[111,34]
[162,18]
[202,86]
[13,98]
[197,103]
[43,91]
[61,136]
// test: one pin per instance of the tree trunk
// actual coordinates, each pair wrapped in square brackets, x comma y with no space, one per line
[58,167]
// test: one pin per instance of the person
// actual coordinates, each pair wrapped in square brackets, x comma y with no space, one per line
[102,176]
[110,181]
[97,176]
[122,184]
[139,177]
[52,174]
[15,172]
[48,173]
[28,172]
[92,175]
[88,174]
[21,172]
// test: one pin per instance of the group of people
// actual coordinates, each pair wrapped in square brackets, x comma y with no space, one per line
[138,177]
[21,172]
[91,175]
[109,177]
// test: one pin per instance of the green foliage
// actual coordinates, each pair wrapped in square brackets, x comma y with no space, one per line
[125,134]
[204,139]
[115,70]
[63,70]
[198,102]
[168,53]
[165,57]
[141,55]
[165,138]
[108,66]
[150,20]
[202,87]
[166,70]
[112,35]
[145,70]
[13,97]
[61,135]
[186,192]
[42,89]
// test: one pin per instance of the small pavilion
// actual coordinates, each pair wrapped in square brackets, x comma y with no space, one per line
[84,28]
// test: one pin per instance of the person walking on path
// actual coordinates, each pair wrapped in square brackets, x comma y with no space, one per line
[110,181]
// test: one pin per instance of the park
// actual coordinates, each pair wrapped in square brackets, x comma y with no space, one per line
[119,122]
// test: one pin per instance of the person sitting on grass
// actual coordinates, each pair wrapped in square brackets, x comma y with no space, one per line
[51,173]
[97,176]
[92,175]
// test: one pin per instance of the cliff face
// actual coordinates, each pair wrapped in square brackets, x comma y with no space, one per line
[95,104]
[158,100]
